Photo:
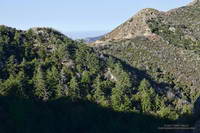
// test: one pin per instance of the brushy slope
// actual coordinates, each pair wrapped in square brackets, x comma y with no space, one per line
[164,45]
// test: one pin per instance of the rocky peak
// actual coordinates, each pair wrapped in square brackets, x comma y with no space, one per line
[147,21]
[194,2]
[135,26]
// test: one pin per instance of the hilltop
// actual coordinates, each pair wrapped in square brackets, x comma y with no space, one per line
[135,26]
[166,45]
[145,73]
[168,41]
[47,77]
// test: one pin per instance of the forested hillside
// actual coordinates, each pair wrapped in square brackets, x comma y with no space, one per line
[47,78]
[163,48]
[142,75]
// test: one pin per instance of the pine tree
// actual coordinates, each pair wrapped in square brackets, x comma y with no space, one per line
[40,85]
[62,87]
[74,90]
[9,86]
[86,83]
[117,98]
[147,95]
[85,79]
[61,52]
[145,102]
[127,104]
[144,85]
[120,93]
[52,79]
[90,62]
[23,89]
[99,94]
[11,65]
[15,85]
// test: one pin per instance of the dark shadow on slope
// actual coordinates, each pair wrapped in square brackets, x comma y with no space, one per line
[196,109]
[66,116]
[141,74]
[191,120]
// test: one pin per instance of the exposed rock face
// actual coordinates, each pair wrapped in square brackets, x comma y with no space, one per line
[110,76]
[184,18]
[194,2]
[135,26]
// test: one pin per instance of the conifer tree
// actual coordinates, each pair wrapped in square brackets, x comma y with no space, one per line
[52,79]
[11,65]
[99,94]
[121,92]
[74,90]
[9,86]
[15,85]
[147,95]
[85,79]
[117,98]
[62,89]
[40,85]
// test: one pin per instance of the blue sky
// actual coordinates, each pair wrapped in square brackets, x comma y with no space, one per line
[76,15]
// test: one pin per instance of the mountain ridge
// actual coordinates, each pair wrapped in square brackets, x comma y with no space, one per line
[168,41]
[138,24]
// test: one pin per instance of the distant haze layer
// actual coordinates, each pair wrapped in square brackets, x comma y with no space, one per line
[84,34]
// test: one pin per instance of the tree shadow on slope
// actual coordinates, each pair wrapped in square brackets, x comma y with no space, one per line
[191,120]
[66,116]
[142,74]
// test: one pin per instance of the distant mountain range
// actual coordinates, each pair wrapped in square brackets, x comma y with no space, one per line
[85,34]
[92,39]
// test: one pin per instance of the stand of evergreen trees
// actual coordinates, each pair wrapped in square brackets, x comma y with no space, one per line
[43,65]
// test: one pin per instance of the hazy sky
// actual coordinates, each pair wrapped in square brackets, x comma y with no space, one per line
[76,15]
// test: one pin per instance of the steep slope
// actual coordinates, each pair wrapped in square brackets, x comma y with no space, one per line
[135,26]
[164,44]
[181,22]
[194,2]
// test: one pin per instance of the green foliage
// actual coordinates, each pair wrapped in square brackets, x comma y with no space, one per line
[87,60]
[41,90]
[52,80]
[15,85]
[46,66]
[174,34]
[85,77]
[99,92]
[121,92]
[74,90]
[11,65]
[9,86]
[147,95]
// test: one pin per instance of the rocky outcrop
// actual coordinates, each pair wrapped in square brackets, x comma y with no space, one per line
[184,18]
[194,2]
[135,26]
